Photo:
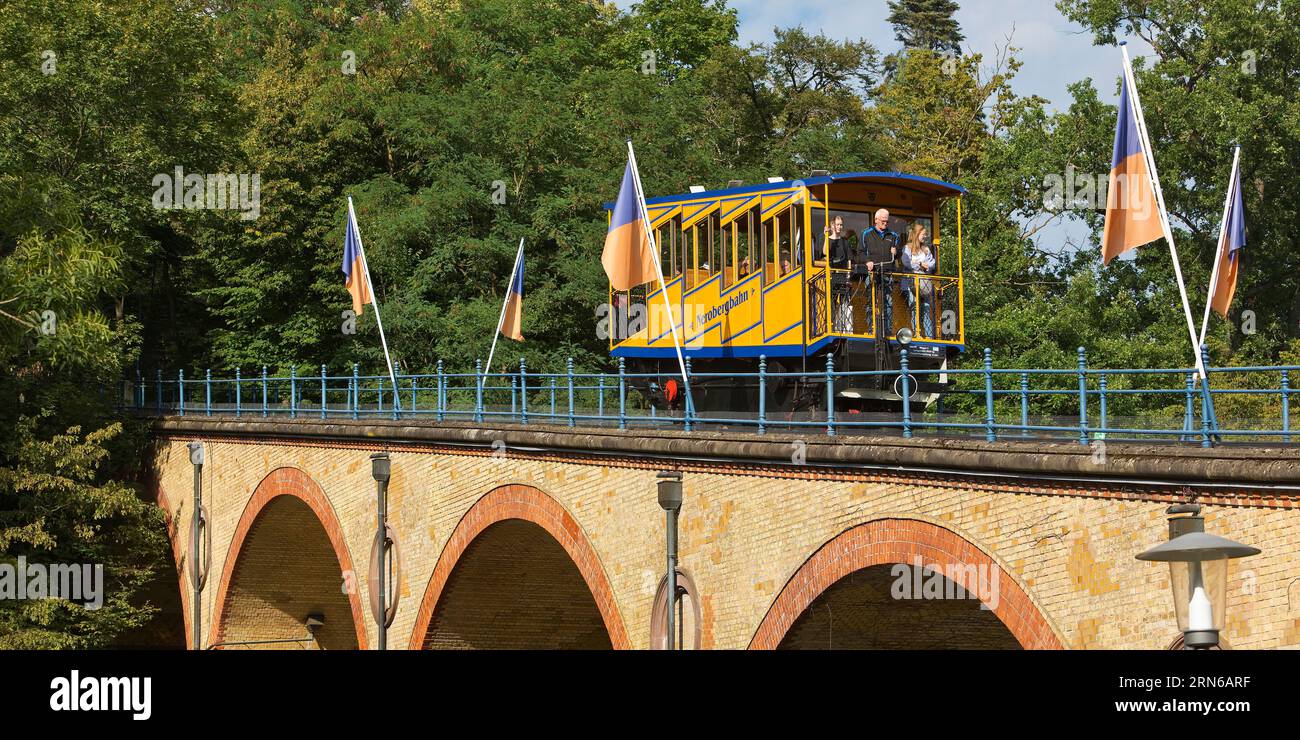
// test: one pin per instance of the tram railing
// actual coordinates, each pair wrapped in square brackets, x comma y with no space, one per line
[1083,403]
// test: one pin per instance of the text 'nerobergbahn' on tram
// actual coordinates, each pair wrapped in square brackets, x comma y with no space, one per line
[793,270]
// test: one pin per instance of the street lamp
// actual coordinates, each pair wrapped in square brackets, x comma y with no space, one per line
[198,571]
[1198,574]
[381,470]
[670,498]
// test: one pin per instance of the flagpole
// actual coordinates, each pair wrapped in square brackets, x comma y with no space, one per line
[374,299]
[1150,157]
[1223,241]
[501,320]
[654,252]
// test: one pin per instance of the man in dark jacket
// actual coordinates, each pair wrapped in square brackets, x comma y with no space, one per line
[881,248]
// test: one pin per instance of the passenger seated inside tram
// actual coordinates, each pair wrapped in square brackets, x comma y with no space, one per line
[744,267]
[785,264]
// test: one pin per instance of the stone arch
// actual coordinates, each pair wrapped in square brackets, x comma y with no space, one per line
[896,540]
[520,502]
[299,487]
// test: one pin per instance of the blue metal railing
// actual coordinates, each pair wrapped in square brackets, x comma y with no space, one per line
[1080,403]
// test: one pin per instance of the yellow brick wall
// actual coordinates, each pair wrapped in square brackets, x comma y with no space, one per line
[745,532]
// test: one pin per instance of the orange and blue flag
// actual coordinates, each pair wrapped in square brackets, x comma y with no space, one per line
[1231,242]
[1131,216]
[354,268]
[512,318]
[627,258]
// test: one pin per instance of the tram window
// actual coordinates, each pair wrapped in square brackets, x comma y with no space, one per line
[798,235]
[728,254]
[690,254]
[745,243]
[715,246]
[769,250]
[669,238]
[783,254]
[817,234]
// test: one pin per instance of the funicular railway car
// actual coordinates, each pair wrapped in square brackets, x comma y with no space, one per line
[748,275]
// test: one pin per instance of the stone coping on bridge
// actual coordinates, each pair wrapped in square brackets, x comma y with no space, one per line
[1256,467]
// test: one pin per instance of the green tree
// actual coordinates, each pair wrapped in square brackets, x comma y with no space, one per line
[1223,72]
[926,24]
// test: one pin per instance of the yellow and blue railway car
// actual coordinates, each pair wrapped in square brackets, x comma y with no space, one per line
[748,275]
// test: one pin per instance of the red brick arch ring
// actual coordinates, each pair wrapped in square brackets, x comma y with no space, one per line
[531,505]
[890,541]
[287,482]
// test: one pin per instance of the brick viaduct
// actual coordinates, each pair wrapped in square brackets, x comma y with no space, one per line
[550,537]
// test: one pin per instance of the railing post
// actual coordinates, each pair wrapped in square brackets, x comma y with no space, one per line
[552,398]
[356,391]
[569,368]
[293,391]
[415,382]
[990,433]
[478,390]
[322,391]
[264,399]
[1286,408]
[442,401]
[139,405]
[830,394]
[523,392]
[1207,403]
[907,404]
[1024,404]
[514,397]
[622,394]
[600,395]
[688,407]
[1101,395]
[1189,414]
[379,394]
[180,391]
[1083,396]
[158,392]
[762,394]
[239,395]
[207,392]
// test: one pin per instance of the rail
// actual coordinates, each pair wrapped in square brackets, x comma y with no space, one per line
[1083,403]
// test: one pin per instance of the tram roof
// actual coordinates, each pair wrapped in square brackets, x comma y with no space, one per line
[926,185]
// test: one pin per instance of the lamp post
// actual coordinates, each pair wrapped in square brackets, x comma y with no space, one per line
[381,470]
[197,573]
[670,498]
[1198,574]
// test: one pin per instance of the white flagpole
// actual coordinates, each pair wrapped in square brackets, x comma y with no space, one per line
[374,300]
[654,252]
[1223,241]
[502,319]
[1160,201]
